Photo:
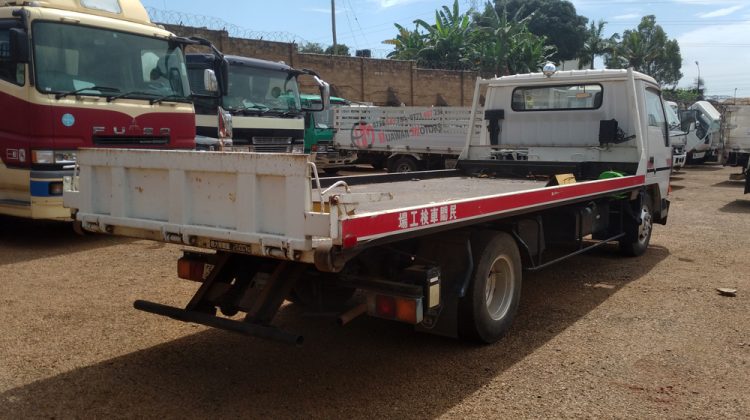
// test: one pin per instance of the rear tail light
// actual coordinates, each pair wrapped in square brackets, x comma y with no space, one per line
[191,269]
[395,308]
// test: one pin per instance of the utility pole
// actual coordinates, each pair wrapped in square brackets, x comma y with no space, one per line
[333,24]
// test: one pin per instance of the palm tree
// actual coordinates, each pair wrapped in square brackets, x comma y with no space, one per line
[594,45]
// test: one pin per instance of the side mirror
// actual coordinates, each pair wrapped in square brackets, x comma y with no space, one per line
[19,46]
[687,122]
[325,96]
[210,83]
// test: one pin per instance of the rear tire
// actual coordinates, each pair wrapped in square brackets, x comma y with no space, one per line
[403,164]
[638,235]
[487,311]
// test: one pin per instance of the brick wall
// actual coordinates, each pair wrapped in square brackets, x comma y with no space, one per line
[382,82]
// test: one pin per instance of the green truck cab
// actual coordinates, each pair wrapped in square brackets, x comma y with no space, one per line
[319,133]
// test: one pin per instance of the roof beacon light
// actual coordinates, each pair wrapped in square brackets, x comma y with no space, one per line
[549,69]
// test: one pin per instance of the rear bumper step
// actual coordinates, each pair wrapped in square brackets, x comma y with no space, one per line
[246,328]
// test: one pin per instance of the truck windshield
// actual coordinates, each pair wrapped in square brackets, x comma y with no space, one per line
[261,90]
[672,119]
[72,58]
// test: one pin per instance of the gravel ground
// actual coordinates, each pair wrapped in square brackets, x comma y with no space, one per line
[597,336]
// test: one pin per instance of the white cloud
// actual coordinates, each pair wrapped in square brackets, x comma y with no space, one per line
[391,3]
[627,16]
[722,12]
[323,10]
[712,46]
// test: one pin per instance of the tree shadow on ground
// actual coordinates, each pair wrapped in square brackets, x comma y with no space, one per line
[371,368]
[736,206]
[33,239]
[730,184]
[704,168]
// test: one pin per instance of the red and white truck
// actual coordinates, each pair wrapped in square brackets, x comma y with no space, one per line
[563,163]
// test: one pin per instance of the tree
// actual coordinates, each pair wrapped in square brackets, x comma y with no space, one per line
[491,42]
[647,49]
[555,19]
[682,96]
[445,41]
[311,48]
[407,44]
[504,45]
[594,45]
[341,49]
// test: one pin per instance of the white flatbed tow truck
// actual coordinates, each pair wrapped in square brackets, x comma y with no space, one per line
[564,163]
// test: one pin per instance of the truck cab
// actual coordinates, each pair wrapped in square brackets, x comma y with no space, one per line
[703,140]
[82,74]
[263,98]
[319,132]
[677,137]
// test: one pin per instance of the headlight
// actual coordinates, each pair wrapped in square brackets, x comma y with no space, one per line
[65,157]
[322,148]
[298,148]
[43,156]
[49,157]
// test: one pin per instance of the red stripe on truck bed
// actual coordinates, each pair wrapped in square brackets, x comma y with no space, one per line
[375,225]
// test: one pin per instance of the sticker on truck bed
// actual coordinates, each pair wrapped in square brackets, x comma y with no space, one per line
[372,226]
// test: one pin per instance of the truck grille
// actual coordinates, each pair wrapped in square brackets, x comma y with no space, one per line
[130,141]
[272,144]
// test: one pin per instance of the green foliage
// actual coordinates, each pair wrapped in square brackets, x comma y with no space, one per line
[504,45]
[491,43]
[341,49]
[682,96]
[556,20]
[595,45]
[311,48]
[647,49]
[407,44]
[447,40]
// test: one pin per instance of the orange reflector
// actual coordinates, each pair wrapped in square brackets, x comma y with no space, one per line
[406,310]
[191,269]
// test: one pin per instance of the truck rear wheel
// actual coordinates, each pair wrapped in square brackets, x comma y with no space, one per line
[638,235]
[403,164]
[491,302]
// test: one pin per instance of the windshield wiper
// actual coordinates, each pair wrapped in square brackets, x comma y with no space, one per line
[174,98]
[256,109]
[129,94]
[77,91]
[283,114]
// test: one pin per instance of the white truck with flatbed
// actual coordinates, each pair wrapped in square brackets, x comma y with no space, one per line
[402,139]
[549,175]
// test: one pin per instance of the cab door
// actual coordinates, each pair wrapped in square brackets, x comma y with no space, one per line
[659,151]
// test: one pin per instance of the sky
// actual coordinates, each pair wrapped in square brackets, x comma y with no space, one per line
[715,33]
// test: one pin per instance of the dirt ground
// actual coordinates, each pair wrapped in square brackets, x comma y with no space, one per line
[597,336]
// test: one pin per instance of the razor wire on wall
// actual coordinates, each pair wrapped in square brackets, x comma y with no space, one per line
[172,17]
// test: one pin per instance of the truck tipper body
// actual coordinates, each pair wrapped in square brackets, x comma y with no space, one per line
[82,74]
[547,175]
[402,139]
[737,139]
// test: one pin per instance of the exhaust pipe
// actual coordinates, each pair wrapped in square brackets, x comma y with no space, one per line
[351,314]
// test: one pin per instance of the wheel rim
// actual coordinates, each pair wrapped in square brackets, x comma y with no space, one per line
[403,167]
[499,288]
[644,230]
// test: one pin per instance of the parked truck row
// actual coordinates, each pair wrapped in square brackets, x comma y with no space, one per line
[83,74]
